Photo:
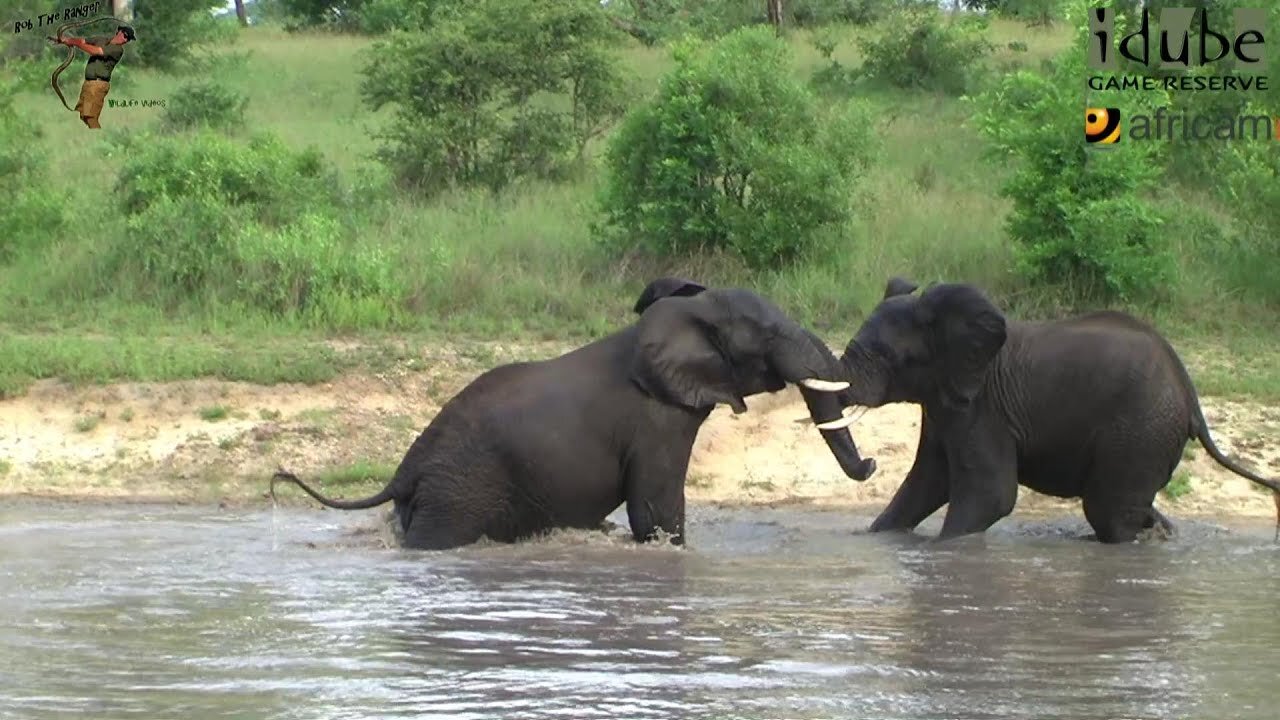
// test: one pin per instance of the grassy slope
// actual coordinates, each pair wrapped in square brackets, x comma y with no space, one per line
[523,267]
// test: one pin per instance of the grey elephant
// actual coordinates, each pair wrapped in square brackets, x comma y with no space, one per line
[528,447]
[1097,407]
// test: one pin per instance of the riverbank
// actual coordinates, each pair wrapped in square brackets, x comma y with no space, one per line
[214,441]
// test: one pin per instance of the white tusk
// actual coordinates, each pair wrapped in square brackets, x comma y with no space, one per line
[853,414]
[824,385]
[843,422]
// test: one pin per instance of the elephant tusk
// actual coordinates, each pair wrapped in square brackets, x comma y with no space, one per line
[843,422]
[824,385]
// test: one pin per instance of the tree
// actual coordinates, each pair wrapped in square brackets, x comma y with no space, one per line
[734,153]
[493,90]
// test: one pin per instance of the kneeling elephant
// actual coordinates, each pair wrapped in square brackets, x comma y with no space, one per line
[561,443]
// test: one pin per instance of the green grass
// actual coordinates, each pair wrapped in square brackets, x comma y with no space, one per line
[213,413]
[525,266]
[1179,485]
[87,423]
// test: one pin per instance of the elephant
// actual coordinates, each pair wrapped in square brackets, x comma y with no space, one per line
[529,447]
[1097,406]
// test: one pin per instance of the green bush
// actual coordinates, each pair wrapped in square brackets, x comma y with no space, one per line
[1252,191]
[652,21]
[32,213]
[178,247]
[312,269]
[383,16]
[263,179]
[494,90]
[823,12]
[173,33]
[372,17]
[205,103]
[733,154]
[1080,216]
[258,225]
[917,47]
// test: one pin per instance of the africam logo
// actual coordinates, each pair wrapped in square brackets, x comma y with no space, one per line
[1102,126]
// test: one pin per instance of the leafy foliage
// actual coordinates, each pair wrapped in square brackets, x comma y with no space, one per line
[356,16]
[1080,216]
[172,33]
[734,154]
[206,214]
[494,90]
[205,103]
[32,212]
[916,47]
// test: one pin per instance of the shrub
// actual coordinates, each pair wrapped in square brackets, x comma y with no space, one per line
[382,16]
[205,103]
[263,178]
[312,269]
[1080,217]
[1251,188]
[32,211]
[257,225]
[651,21]
[494,90]
[823,12]
[172,33]
[735,154]
[916,47]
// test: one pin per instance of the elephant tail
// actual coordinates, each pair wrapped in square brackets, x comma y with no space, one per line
[387,494]
[1199,430]
[1202,434]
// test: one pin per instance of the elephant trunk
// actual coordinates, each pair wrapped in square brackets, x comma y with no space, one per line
[868,377]
[805,360]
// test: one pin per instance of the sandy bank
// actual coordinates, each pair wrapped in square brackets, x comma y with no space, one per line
[214,441]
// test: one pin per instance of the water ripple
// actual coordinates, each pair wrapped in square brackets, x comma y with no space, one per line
[771,614]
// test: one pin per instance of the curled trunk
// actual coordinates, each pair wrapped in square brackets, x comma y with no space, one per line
[804,357]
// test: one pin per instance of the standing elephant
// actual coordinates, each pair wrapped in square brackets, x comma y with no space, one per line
[1097,407]
[561,443]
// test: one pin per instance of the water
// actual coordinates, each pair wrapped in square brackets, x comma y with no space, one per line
[114,612]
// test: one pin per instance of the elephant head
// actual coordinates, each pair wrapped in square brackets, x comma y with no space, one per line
[933,349]
[700,347]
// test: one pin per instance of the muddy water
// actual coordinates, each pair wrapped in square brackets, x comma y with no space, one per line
[112,612]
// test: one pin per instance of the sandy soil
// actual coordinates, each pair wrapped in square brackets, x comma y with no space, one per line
[213,441]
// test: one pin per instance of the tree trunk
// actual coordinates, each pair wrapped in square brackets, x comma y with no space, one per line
[240,13]
[774,8]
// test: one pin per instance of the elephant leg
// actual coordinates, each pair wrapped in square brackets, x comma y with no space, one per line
[1120,491]
[922,492]
[1118,506]
[983,481]
[441,518]
[1115,519]
[1157,519]
[424,535]
[655,494]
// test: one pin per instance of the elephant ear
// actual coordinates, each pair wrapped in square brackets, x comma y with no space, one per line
[681,356]
[968,331]
[663,288]
[898,286]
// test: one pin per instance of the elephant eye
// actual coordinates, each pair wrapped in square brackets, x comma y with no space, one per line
[884,350]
